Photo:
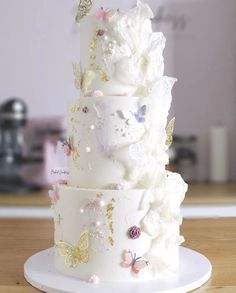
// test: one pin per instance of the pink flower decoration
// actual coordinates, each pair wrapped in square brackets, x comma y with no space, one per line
[100,33]
[53,194]
[103,14]
[134,232]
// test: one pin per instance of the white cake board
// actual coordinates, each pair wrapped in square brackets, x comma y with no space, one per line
[39,271]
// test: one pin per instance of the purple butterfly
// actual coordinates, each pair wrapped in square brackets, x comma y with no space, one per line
[140,115]
[133,117]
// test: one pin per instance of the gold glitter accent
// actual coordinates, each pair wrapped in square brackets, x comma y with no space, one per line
[83,9]
[93,57]
[99,195]
[109,215]
[93,44]
[75,109]
[110,209]
[111,227]
[102,74]
[111,241]
[169,132]
[75,254]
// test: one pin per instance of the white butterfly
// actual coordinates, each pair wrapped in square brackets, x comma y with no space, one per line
[128,116]
[135,117]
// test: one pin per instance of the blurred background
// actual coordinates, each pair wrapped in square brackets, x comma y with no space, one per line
[39,41]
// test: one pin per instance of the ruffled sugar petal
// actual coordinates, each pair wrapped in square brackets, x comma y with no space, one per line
[136,55]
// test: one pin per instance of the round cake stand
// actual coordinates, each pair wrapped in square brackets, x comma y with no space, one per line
[39,271]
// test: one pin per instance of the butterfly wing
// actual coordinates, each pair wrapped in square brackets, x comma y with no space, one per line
[127,115]
[138,265]
[127,259]
[139,116]
[83,10]
[143,110]
[74,150]
[83,247]
[77,74]
[169,132]
[68,252]
[88,77]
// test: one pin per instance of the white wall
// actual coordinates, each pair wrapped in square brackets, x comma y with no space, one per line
[204,61]
[38,41]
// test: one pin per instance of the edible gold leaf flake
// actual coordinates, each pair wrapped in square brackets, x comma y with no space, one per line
[83,9]
[75,109]
[110,209]
[73,255]
[111,240]
[93,44]
[111,227]
[109,215]
[102,74]
[99,195]
[170,131]
[93,57]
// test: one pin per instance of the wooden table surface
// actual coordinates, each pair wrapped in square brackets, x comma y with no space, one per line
[21,238]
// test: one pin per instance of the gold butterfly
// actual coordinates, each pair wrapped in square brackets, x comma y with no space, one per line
[83,80]
[73,255]
[74,150]
[169,132]
[83,9]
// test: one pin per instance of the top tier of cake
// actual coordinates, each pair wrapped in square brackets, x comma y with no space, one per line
[120,53]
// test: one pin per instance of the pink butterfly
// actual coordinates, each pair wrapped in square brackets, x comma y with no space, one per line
[67,147]
[53,194]
[103,14]
[136,264]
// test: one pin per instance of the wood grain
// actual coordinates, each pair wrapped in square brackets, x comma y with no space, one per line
[215,238]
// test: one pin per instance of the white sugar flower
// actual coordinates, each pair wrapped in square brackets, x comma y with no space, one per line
[132,51]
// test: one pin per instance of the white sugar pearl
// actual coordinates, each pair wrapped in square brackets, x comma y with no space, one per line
[92,127]
[81,211]
[101,203]
[88,149]
[98,224]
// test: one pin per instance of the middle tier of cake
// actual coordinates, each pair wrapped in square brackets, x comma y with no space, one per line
[118,141]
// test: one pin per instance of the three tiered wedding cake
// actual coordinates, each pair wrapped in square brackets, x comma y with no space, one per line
[117,217]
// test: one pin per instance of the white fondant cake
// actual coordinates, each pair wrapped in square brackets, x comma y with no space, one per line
[117,217]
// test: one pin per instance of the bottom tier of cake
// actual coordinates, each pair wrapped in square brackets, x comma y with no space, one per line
[118,235]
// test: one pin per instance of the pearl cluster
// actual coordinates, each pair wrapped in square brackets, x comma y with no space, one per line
[111,47]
